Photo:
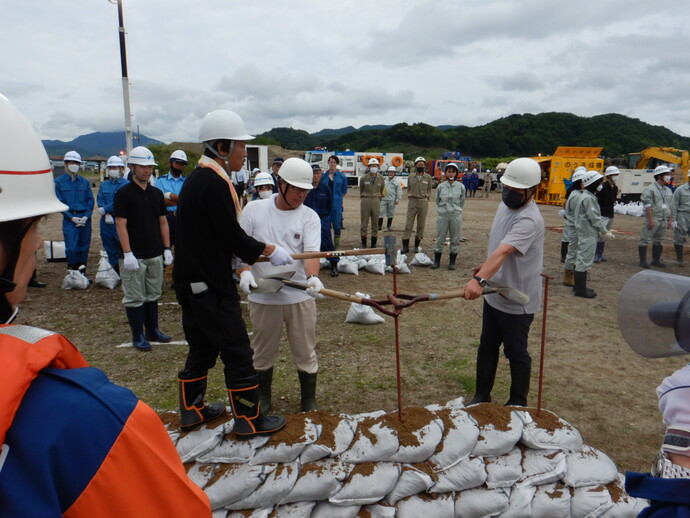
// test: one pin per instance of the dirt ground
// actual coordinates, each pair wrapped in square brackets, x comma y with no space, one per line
[591,377]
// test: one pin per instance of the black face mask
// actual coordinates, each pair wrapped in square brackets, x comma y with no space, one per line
[512,199]
[420,169]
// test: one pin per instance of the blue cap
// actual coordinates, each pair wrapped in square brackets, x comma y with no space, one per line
[316,167]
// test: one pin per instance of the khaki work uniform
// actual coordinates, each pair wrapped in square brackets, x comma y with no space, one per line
[659,198]
[371,190]
[680,211]
[418,192]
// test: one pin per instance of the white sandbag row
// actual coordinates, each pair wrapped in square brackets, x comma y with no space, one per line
[633,208]
[483,460]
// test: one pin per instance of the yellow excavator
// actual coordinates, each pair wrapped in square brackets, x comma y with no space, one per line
[664,154]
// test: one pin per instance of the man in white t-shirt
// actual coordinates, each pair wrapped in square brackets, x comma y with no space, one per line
[297,228]
[516,259]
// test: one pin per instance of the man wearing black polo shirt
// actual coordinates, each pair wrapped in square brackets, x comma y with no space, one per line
[142,227]
[208,236]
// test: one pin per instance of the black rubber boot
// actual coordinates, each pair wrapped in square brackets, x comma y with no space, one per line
[374,240]
[35,283]
[116,267]
[656,256]
[406,246]
[598,254]
[364,241]
[334,269]
[487,363]
[679,255]
[153,333]
[437,261]
[193,410]
[380,223]
[564,250]
[581,289]
[642,250]
[451,261]
[249,420]
[519,383]
[307,383]
[135,316]
[265,384]
[416,244]
[388,224]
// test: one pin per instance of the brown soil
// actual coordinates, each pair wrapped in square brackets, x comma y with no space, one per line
[592,379]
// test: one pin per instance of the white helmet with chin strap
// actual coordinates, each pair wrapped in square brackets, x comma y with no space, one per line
[611,170]
[115,161]
[141,155]
[179,155]
[297,172]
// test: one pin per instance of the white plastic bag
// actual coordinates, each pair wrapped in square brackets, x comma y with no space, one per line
[75,280]
[55,251]
[345,265]
[106,276]
[421,259]
[377,264]
[361,314]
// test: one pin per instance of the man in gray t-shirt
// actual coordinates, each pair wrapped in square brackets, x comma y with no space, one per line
[515,259]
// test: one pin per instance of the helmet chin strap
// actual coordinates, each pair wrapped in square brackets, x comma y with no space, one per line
[225,159]
[284,194]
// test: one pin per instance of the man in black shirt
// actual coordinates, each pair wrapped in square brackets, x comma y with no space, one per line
[606,196]
[142,227]
[208,236]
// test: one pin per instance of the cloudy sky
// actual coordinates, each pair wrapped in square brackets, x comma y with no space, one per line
[312,64]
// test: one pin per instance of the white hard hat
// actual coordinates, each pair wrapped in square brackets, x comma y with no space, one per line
[141,155]
[579,174]
[522,173]
[591,177]
[222,124]
[297,173]
[26,179]
[451,164]
[179,155]
[420,159]
[256,170]
[373,161]
[661,169]
[580,168]
[392,168]
[115,161]
[474,170]
[72,156]
[263,179]
[611,170]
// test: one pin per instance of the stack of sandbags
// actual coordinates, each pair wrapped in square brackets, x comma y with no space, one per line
[439,461]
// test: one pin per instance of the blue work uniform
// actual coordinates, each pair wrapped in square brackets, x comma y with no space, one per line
[76,194]
[668,497]
[169,183]
[105,198]
[320,200]
[338,187]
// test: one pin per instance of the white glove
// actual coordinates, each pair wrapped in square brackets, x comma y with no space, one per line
[84,219]
[280,257]
[561,213]
[109,219]
[101,211]
[314,287]
[167,257]
[608,235]
[167,195]
[247,282]
[77,221]
[131,262]
[674,224]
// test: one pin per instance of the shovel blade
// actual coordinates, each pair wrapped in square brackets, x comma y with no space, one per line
[272,284]
[512,294]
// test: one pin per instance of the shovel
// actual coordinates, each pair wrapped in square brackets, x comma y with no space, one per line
[331,254]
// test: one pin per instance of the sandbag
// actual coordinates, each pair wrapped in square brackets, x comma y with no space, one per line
[318,480]
[329,510]
[199,441]
[106,276]
[361,314]
[548,431]
[295,510]
[438,506]
[520,503]
[551,501]
[460,434]
[374,441]
[417,443]
[232,450]
[481,503]
[466,474]
[335,437]
[55,251]
[200,474]
[263,512]
[368,483]
[400,263]
[287,444]
[590,502]
[421,259]
[589,467]
[503,471]
[412,480]
[75,280]
[380,511]
[233,482]
[500,429]
[277,485]
[377,264]
[347,266]
[542,467]
[219,513]
[624,505]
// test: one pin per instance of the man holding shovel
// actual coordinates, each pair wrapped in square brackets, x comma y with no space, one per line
[284,219]
[515,258]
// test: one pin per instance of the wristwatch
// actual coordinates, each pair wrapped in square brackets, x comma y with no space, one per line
[482,282]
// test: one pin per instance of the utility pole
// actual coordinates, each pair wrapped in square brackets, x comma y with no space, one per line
[125,78]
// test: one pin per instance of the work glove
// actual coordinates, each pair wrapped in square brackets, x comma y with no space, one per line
[561,213]
[608,235]
[101,211]
[674,225]
[247,282]
[84,219]
[109,219]
[314,287]
[280,257]
[167,195]
[131,262]
[77,222]
[167,257]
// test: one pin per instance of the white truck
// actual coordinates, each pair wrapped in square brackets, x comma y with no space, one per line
[354,163]
[631,183]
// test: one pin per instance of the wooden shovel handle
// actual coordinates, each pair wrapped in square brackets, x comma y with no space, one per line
[458,294]
[335,253]
[342,296]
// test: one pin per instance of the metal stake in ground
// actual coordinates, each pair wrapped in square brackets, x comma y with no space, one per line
[543,341]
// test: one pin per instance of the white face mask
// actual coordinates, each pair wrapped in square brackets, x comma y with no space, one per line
[73,168]
[265,194]
[600,187]
[114,173]
[667,178]
[374,169]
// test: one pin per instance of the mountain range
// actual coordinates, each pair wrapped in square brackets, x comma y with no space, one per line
[98,143]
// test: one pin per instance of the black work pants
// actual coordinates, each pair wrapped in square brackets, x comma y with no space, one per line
[213,326]
[508,329]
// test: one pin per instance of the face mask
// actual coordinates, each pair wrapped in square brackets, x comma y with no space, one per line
[512,199]
[420,169]
[667,178]
[265,194]
[114,173]
[73,168]
[374,169]
[600,187]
